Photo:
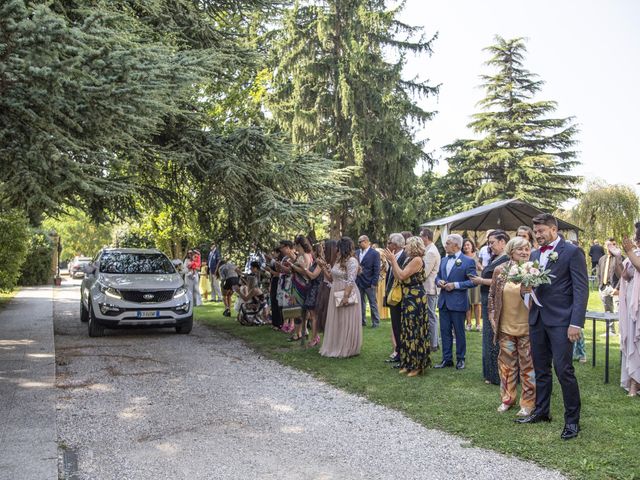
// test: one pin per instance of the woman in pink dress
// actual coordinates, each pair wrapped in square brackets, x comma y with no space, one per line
[629,313]
[343,330]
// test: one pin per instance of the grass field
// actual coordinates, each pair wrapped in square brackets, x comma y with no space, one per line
[459,402]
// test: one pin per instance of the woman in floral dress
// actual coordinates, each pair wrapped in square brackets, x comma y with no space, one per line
[415,347]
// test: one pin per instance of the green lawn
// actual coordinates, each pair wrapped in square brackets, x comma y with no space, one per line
[6,296]
[460,403]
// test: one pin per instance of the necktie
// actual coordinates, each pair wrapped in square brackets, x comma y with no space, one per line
[544,248]
[453,255]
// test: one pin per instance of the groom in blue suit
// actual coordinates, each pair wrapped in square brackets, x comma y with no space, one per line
[556,322]
[453,279]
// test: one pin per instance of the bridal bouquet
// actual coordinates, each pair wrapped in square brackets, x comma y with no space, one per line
[529,274]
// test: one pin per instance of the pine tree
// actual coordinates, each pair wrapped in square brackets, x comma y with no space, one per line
[134,108]
[337,93]
[520,152]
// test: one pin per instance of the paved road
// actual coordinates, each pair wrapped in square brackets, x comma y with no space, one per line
[156,405]
[28,447]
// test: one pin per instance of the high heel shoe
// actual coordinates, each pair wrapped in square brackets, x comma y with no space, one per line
[315,341]
[402,371]
[415,373]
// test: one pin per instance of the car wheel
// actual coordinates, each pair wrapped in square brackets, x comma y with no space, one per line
[95,330]
[84,314]
[186,326]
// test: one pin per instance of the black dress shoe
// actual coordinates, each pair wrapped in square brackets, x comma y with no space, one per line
[534,418]
[392,360]
[460,365]
[570,431]
[444,364]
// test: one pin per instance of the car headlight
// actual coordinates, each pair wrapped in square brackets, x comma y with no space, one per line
[110,292]
[179,292]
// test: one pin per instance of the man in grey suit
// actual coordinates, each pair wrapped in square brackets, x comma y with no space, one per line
[431,268]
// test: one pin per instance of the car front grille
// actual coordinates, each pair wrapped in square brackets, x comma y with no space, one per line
[140,296]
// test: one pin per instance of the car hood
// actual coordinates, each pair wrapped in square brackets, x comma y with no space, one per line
[147,281]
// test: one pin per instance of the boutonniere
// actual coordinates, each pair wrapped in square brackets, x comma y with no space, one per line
[553,257]
[458,262]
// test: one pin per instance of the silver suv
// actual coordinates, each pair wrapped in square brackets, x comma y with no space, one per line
[126,287]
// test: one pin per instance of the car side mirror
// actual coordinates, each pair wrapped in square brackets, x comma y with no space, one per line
[89,268]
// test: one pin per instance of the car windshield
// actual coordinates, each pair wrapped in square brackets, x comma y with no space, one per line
[119,262]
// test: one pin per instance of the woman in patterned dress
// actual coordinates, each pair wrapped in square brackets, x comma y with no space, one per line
[414,326]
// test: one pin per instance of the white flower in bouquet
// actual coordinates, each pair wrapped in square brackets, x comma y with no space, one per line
[529,274]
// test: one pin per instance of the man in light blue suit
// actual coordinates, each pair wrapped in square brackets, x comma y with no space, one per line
[453,278]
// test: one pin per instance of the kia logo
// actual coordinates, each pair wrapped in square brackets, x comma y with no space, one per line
[148,296]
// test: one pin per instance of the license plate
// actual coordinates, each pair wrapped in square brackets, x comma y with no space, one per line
[148,314]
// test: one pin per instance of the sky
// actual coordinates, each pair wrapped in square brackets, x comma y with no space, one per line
[587,52]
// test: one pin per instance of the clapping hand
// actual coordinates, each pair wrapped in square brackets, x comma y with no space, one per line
[627,245]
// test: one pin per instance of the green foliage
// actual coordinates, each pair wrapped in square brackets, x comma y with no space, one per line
[337,92]
[36,268]
[82,91]
[14,235]
[133,236]
[134,109]
[79,234]
[605,211]
[519,151]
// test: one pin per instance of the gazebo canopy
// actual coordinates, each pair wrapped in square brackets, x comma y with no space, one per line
[505,214]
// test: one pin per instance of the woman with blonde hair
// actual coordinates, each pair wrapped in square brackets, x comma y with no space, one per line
[475,303]
[509,317]
[414,345]
[382,286]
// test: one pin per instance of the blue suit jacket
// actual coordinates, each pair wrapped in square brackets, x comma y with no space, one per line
[457,300]
[564,301]
[370,269]
[214,260]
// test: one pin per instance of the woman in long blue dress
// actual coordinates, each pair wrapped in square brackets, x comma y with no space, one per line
[497,241]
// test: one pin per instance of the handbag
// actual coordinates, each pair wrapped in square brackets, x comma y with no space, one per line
[339,295]
[292,311]
[394,297]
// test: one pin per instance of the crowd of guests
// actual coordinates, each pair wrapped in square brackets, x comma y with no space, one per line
[303,289]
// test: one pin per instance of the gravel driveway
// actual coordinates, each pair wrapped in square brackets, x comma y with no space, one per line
[156,405]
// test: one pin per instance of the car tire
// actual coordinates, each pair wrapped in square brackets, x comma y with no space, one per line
[84,314]
[95,330]
[186,327]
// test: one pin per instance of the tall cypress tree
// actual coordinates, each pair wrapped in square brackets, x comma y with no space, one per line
[520,152]
[338,93]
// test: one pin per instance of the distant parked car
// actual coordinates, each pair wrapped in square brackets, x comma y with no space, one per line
[126,287]
[76,266]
